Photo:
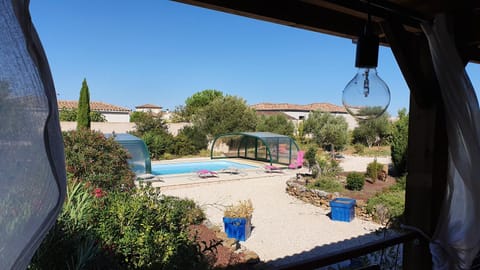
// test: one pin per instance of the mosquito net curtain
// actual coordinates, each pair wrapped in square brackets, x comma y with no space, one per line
[457,237]
[32,170]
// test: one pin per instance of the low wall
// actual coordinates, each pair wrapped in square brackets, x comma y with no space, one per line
[313,196]
[104,127]
[296,188]
[119,127]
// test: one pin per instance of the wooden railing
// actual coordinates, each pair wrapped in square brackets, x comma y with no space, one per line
[354,252]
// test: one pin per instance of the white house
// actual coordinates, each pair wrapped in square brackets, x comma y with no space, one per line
[112,113]
[298,113]
[150,108]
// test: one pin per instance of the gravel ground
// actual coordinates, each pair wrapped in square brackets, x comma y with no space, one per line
[359,164]
[283,225]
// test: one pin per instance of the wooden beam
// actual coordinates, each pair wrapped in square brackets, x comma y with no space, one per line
[427,143]
[291,13]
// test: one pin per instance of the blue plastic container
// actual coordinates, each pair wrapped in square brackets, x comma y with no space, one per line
[238,228]
[343,209]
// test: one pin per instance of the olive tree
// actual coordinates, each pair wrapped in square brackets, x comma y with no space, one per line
[327,129]
[277,123]
[224,115]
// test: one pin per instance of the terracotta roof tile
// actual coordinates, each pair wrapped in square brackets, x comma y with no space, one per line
[94,106]
[325,107]
[148,106]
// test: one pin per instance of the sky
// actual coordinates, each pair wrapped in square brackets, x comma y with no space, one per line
[161,52]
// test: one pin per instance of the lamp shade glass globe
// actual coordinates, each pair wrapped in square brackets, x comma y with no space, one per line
[366,96]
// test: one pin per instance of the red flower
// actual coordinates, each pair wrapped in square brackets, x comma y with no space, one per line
[98,193]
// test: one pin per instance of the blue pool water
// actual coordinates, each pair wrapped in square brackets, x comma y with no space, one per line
[190,167]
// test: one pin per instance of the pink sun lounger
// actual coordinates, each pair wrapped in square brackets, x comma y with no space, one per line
[271,169]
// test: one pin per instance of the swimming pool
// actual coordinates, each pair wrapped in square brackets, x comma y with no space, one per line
[190,167]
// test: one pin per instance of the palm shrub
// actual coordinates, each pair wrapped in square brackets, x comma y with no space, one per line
[373,170]
[355,181]
[90,157]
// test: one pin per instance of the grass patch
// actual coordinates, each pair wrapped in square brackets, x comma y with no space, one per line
[326,183]
[374,151]
[386,206]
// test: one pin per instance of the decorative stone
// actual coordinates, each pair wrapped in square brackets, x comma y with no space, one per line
[231,243]
[322,198]
[251,257]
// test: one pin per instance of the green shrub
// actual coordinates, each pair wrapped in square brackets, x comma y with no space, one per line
[387,206]
[311,156]
[328,165]
[182,146]
[149,231]
[373,170]
[196,137]
[120,230]
[359,148]
[90,157]
[71,115]
[399,143]
[71,243]
[355,181]
[158,143]
[326,183]
[400,183]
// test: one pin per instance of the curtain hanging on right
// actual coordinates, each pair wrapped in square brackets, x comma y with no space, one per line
[456,240]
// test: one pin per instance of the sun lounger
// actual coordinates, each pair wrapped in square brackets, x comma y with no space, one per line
[206,174]
[273,169]
[149,178]
[298,162]
[230,170]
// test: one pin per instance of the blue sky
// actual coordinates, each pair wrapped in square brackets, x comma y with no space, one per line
[161,52]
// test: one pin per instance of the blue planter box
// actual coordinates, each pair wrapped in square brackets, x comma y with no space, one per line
[343,209]
[238,228]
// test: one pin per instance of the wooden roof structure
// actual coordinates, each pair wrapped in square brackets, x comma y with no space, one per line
[345,18]
[398,25]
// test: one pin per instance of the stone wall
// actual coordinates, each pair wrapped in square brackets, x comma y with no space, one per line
[296,187]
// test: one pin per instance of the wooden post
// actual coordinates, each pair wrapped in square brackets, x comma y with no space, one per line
[427,143]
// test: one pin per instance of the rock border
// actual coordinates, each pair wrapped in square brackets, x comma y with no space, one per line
[297,187]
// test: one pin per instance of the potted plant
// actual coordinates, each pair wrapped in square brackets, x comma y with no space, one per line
[237,220]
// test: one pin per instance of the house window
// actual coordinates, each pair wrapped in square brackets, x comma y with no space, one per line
[301,117]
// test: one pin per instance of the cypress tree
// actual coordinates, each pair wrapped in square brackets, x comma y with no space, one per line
[83,114]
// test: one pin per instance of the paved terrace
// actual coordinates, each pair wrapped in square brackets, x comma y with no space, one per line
[283,225]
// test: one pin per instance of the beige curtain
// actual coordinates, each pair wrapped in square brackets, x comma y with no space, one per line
[456,240]
[32,169]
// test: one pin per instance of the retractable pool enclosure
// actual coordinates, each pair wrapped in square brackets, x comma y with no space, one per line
[140,157]
[262,146]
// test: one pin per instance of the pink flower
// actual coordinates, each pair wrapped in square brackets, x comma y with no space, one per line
[98,193]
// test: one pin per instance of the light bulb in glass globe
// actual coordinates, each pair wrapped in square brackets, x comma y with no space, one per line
[366,96]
